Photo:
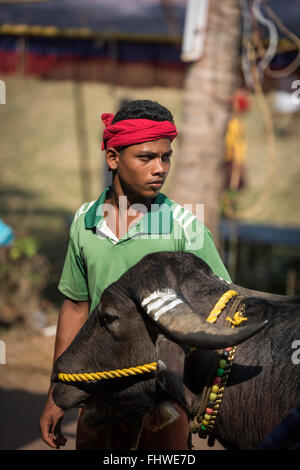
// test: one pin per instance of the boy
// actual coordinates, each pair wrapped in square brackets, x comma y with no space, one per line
[129,220]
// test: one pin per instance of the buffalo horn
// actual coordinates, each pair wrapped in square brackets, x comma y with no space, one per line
[177,320]
[265,295]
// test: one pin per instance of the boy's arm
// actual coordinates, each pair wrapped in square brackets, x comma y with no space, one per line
[72,316]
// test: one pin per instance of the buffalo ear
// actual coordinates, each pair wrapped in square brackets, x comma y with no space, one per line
[170,369]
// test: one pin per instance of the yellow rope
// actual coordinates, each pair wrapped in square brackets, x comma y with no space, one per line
[108,374]
[220,305]
[237,319]
[92,376]
[217,310]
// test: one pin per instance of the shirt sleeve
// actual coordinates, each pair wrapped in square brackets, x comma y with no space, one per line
[73,282]
[199,241]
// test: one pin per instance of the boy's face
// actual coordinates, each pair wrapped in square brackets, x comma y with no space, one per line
[142,168]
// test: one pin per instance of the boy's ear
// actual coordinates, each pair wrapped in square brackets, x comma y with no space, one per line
[112,157]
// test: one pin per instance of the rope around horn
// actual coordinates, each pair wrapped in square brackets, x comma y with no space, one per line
[204,421]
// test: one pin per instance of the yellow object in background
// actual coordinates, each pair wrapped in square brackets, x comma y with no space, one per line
[235,141]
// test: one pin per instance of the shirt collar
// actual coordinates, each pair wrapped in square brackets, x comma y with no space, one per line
[94,214]
[158,220]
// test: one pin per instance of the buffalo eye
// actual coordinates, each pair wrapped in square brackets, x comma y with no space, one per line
[107,319]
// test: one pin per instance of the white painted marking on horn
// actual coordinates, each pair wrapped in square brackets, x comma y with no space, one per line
[167,308]
[156,295]
[160,302]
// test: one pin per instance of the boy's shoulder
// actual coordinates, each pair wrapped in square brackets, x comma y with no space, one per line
[78,219]
[184,215]
[83,209]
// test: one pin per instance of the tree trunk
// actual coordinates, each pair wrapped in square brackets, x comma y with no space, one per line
[209,86]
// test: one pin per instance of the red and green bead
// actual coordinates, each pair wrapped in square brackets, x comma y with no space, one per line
[214,391]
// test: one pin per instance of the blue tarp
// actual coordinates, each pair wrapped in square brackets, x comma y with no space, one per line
[78,38]
[138,17]
[61,32]
[6,234]
[134,17]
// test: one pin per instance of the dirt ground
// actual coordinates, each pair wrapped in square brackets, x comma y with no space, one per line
[24,383]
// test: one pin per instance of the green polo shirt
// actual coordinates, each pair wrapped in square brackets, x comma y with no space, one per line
[96,257]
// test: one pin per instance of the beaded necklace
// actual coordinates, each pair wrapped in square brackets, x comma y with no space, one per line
[204,422]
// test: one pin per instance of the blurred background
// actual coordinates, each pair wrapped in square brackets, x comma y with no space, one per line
[228,70]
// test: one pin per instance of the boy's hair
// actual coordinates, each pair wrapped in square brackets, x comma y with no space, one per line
[143,109]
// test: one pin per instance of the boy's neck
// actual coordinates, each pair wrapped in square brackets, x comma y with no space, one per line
[117,192]
[120,220]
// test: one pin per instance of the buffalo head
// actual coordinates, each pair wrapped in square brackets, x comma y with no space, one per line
[144,317]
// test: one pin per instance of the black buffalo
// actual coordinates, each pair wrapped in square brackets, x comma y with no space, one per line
[156,312]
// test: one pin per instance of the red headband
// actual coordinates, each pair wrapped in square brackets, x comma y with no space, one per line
[134,131]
